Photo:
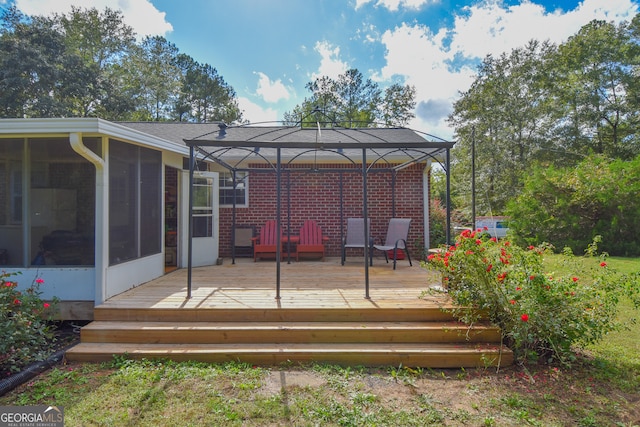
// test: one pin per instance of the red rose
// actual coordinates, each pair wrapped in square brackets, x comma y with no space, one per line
[524,317]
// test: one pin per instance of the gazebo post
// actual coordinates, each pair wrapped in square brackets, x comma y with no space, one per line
[365,215]
[233,220]
[190,228]
[448,198]
[341,184]
[288,216]
[394,173]
[278,225]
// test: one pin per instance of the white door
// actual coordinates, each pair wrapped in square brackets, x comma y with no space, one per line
[205,219]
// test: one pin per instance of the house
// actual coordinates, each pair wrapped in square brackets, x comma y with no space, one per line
[96,207]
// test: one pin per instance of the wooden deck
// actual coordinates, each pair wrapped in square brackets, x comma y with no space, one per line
[304,284]
[322,315]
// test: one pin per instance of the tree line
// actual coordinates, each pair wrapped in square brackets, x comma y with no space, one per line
[548,103]
[542,111]
[350,101]
[88,64]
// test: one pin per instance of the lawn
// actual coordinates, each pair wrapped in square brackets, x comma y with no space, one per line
[602,387]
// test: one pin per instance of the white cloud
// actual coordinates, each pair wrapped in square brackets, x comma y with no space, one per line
[141,15]
[394,5]
[492,28]
[489,27]
[255,113]
[330,63]
[271,91]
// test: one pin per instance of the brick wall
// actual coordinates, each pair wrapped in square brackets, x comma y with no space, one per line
[316,196]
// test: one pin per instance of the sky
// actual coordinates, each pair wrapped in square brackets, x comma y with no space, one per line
[268,50]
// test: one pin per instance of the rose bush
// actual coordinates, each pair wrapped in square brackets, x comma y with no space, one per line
[25,330]
[542,315]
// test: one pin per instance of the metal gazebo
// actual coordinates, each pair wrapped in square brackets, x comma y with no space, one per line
[392,148]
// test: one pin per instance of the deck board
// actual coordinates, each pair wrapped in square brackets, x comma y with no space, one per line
[304,284]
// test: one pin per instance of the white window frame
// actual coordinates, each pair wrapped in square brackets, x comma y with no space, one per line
[242,178]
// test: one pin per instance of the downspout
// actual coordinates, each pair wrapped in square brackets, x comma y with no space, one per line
[101,218]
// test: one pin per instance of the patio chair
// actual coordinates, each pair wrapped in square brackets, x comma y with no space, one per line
[266,243]
[311,240]
[355,237]
[396,239]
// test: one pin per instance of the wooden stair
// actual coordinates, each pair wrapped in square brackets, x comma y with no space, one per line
[417,337]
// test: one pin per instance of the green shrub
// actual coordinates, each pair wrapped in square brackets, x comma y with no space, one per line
[25,332]
[541,315]
[437,223]
[570,206]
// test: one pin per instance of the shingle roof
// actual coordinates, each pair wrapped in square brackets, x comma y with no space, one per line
[173,131]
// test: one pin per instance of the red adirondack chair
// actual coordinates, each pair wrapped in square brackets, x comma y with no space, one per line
[311,240]
[266,243]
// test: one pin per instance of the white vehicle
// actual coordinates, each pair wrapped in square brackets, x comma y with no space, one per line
[497,226]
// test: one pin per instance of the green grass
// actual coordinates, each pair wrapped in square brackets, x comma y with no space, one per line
[601,388]
[164,393]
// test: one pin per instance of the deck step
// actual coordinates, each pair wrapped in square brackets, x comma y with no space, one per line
[287,332]
[369,333]
[387,314]
[416,355]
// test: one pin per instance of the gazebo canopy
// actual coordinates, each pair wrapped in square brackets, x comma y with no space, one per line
[233,146]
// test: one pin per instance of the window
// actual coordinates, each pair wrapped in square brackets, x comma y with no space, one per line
[11,230]
[62,204]
[202,207]
[134,202]
[228,193]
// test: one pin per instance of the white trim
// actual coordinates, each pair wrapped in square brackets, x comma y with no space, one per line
[25,128]
[128,275]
